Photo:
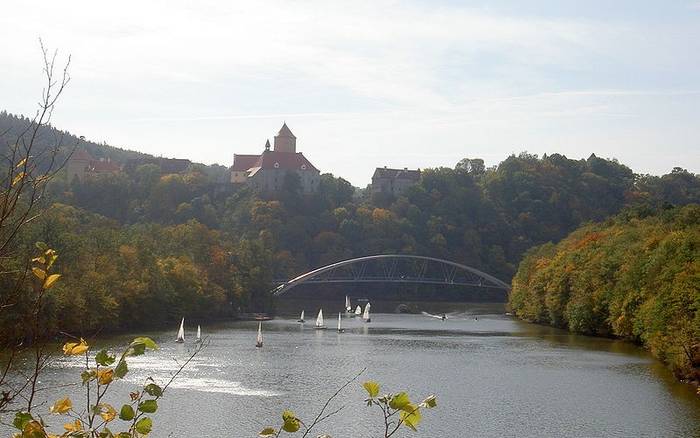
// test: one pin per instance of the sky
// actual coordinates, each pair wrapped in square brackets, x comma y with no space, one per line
[365,84]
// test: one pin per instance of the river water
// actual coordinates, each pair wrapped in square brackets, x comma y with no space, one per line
[493,376]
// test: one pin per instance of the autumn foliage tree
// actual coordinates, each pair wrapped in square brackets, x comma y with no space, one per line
[636,276]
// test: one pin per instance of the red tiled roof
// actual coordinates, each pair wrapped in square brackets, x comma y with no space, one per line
[103,166]
[285,160]
[241,163]
[267,160]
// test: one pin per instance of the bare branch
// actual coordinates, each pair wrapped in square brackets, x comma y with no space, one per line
[28,169]
[320,417]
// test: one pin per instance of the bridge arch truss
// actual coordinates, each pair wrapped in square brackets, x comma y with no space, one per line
[395,268]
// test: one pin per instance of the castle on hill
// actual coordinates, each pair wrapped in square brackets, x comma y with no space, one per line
[267,171]
[394,181]
[81,163]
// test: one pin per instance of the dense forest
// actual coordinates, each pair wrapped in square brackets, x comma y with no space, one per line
[634,276]
[13,127]
[485,218]
[143,246]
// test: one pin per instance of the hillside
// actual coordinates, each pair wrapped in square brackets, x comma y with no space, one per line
[486,218]
[636,276]
[11,126]
[189,243]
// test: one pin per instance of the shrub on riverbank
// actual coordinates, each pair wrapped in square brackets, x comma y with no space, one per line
[634,276]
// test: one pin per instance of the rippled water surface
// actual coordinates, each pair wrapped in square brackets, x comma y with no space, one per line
[493,376]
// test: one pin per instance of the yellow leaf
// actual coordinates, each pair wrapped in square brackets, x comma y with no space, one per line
[411,417]
[68,347]
[107,412]
[105,376]
[50,280]
[267,432]
[80,348]
[19,177]
[39,273]
[75,348]
[21,163]
[51,257]
[61,406]
[372,388]
[33,428]
[75,426]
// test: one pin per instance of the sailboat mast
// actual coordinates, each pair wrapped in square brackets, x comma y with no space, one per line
[365,316]
[259,341]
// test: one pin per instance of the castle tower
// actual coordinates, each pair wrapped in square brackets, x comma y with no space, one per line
[285,141]
[78,164]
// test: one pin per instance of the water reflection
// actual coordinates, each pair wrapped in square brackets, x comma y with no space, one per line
[494,377]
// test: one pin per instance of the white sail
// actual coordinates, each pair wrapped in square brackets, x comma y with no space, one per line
[259,341]
[301,317]
[358,310]
[319,319]
[340,329]
[365,315]
[348,306]
[199,333]
[442,317]
[181,332]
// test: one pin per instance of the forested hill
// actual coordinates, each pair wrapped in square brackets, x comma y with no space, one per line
[483,217]
[635,276]
[486,218]
[145,247]
[12,126]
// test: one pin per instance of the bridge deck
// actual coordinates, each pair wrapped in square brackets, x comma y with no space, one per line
[395,268]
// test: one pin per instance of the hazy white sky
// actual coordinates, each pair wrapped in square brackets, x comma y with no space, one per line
[370,83]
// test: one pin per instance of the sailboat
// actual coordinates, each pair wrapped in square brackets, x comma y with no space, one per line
[319,320]
[181,333]
[348,306]
[358,311]
[301,317]
[340,329]
[441,316]
[365,315]
[259,341]
[199,334]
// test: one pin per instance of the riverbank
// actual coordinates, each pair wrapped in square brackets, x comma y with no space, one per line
[634,278]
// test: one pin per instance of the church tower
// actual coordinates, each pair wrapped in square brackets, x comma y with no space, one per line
[285,141]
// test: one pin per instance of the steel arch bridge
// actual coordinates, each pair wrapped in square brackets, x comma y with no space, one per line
[394,268]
